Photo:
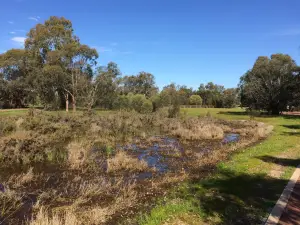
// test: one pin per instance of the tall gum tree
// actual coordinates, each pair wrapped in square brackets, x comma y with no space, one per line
[61,61]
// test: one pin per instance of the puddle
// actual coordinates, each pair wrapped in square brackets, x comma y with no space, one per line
[229,138]
[162,152]
[156,155]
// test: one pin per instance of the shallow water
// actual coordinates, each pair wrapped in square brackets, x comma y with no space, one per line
[229,138]
[161,151]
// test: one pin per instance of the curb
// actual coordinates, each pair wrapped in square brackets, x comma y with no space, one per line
[278,209]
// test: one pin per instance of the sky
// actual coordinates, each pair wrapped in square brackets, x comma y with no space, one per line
[187,42]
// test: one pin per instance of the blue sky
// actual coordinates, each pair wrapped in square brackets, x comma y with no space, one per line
[183,41]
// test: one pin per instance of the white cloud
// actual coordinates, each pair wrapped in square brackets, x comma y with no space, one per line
[114,44]
[35,18]
[10,22]
[12,32]
[19,40]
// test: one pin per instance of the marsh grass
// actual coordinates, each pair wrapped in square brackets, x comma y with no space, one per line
[22,179]
[83,176]
[7,126]
[43,218]
[122,161]
[11,201]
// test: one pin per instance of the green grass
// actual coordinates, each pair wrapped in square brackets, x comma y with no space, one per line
[13,112]
[241,190]
[21,112]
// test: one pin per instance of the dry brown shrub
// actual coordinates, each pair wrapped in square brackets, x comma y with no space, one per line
[43,218]
[10,202]
[196,129]
[263,130]
[99,215]
[122,161]
[19,122]
[22,179]
[78,153]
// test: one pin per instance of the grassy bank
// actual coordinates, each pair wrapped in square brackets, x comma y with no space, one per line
[241,190]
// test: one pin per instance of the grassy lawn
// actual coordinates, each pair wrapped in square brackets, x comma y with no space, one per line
[13,112]
[243,189]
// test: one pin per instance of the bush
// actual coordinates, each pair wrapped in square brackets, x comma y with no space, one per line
[7,126]
[174,111]
[122,102]
[195,100]
[137,102]
[147,106]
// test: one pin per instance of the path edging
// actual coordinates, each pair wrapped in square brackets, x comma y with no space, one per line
[278,209]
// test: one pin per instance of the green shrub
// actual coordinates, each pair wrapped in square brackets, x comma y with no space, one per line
[195,100]
[7,126]
[122,102]
[147,106]
[137,102]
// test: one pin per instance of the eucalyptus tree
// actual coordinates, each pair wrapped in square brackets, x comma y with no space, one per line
[269,84]
[61,63]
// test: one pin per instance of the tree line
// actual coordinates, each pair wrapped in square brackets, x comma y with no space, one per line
[55,70]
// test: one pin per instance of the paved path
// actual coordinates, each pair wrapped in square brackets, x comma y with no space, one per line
[291,213]
[287,209]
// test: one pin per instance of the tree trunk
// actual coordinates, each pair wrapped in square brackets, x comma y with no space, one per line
[74,104]
[67,103]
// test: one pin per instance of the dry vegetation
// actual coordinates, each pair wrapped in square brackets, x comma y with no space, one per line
[68,169]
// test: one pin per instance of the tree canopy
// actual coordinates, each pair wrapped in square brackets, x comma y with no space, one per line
[269,84]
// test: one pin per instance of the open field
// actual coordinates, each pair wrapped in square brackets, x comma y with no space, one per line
[241,190]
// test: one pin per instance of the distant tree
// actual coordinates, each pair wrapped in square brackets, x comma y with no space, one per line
[230,97]
[143,83]
[170,97]
[109,79]
[211,94]
[184,94]
[268,85]
[195,100]
[15,88]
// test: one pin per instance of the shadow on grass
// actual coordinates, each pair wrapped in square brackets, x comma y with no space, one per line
[250,114]
[259,114]
[234,113]
[291,117]
[236,198]
[280,161]
[295,127]
[290,133]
